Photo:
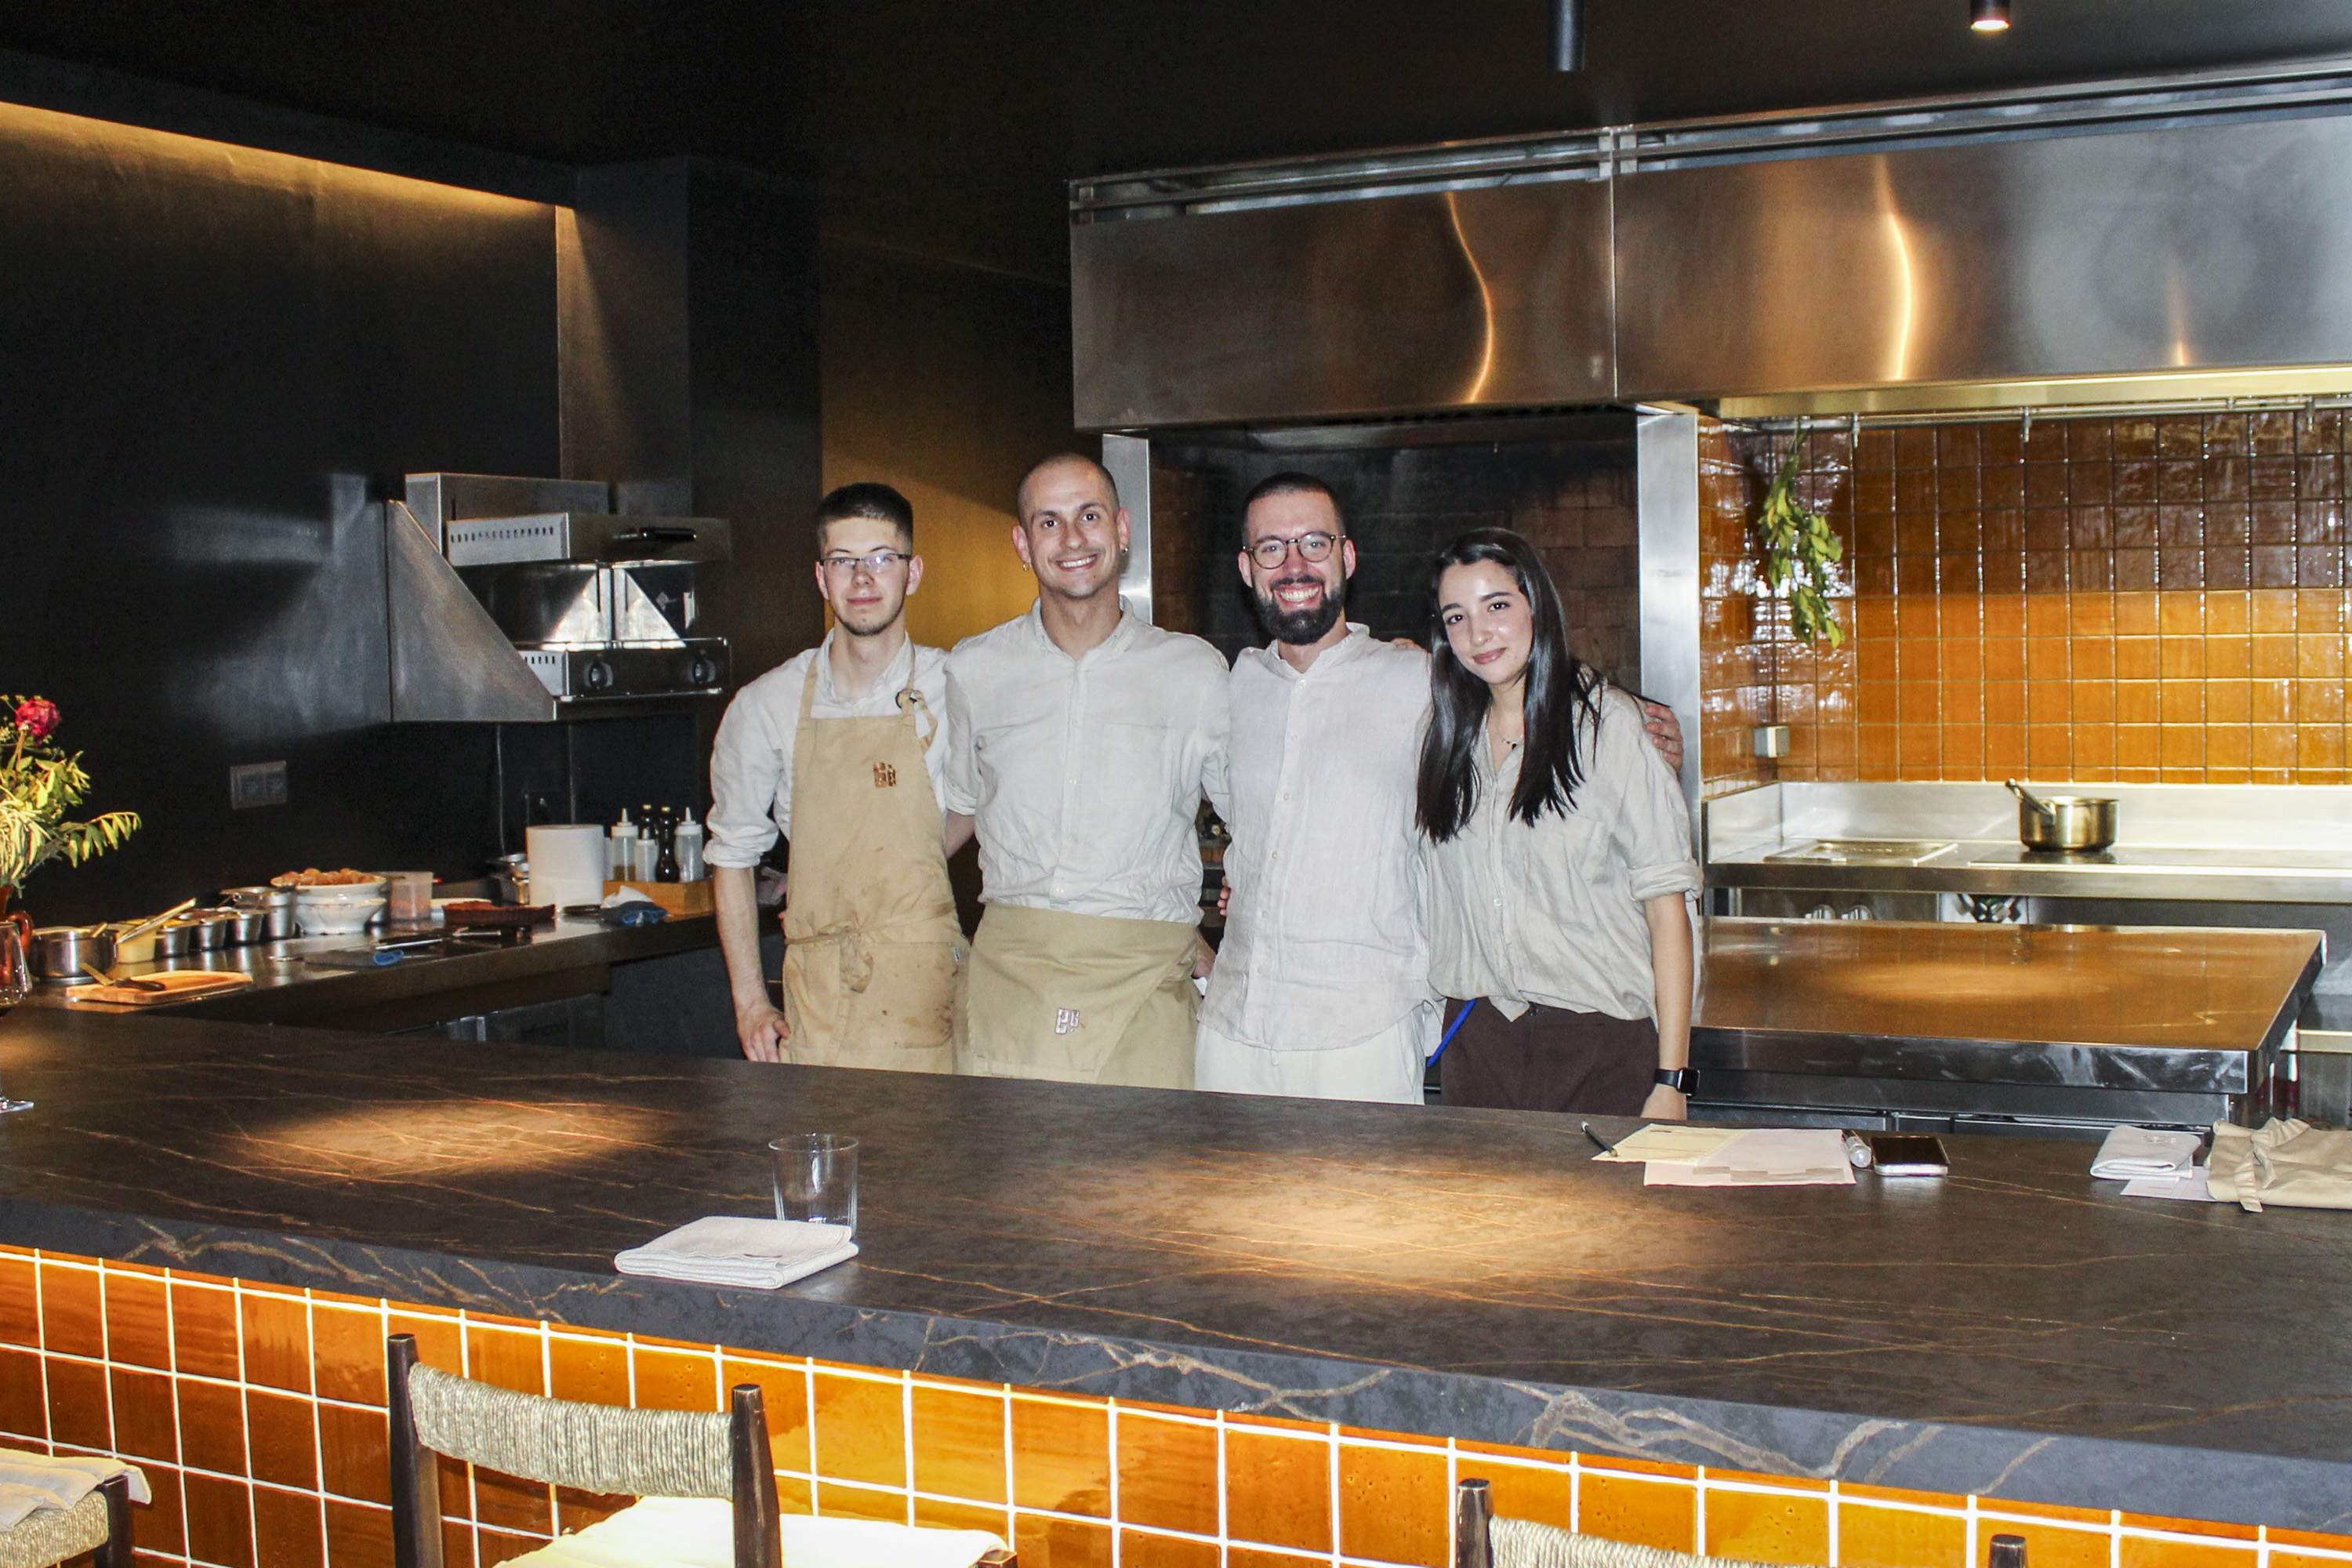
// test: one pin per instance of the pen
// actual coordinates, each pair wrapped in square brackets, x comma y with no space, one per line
[1597,1143]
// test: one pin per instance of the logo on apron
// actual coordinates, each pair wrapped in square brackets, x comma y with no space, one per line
[884,775]
[1064,1020]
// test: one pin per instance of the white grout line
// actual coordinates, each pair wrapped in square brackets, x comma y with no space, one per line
[1224,1525]
[1331,1464]
[1698,1516]
[1009,1506]
[1836,1545]
[906,1437]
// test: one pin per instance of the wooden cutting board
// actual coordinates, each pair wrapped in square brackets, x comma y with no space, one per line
[179,986]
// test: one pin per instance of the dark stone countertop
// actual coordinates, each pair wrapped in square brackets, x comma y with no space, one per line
[2015,1329]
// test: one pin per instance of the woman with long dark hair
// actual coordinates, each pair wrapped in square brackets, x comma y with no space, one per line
[1561,855]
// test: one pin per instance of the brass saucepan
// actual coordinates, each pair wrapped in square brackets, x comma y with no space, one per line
[2073,823]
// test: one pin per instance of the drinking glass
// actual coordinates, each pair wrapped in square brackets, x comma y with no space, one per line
[816,1178]
[16,980]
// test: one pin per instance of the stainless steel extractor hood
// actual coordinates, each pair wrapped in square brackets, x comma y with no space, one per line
[521,601]
[2162,238]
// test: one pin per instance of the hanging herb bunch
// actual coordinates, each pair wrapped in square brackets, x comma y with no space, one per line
[1799,551]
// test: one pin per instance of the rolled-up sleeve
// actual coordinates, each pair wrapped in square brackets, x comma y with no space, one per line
[1653,829]
[750,800]
[959,784]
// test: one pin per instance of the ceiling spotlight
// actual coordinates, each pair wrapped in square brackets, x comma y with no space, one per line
[1989,15]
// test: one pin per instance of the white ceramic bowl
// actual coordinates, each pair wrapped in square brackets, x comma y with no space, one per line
[339,909]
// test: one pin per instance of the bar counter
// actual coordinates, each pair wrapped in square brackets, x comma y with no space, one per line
[2014,1332]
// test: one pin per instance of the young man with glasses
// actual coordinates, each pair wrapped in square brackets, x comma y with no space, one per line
[838,750]
[1321,987]
[1083,739]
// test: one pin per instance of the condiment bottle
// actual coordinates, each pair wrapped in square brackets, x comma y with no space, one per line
[689,849]
[620,847]
[666,863]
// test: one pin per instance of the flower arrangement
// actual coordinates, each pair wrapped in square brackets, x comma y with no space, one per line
[38,785]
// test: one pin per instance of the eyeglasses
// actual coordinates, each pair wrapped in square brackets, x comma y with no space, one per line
[1311,547]
[879,562]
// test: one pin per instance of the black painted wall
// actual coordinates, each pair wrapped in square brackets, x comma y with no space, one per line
[211,361]
[214,363]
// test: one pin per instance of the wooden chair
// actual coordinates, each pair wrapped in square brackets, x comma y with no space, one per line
[657,1456]
[99,1523]
[1482,1541]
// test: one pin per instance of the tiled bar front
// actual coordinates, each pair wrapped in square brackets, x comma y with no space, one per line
[257,1413]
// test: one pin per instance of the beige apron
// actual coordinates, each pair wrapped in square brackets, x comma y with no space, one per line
[871,942]
[1080,999]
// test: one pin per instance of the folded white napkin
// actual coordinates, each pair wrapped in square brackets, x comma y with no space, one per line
[29,1482]
[695,1533]
[730,1249]
[2132,1151]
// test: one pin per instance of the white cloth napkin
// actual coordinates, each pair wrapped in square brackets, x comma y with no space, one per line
[683,1532]
[29,1482]
[730,1249]
[2132,1151]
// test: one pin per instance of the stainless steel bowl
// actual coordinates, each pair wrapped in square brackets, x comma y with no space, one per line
[59,952]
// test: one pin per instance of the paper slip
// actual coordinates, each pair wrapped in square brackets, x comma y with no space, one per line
[1774,1156]
[2186,1188]
[2131,1152]
[1665,1175]
[1670,1141]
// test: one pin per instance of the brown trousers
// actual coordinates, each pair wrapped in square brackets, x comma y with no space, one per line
[1549,1058]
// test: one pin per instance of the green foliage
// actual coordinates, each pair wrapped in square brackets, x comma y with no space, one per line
[1799,550]
[38,785]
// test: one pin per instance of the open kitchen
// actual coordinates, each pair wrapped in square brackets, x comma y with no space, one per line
[1472,790]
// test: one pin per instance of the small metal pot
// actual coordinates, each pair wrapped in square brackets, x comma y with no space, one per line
[2070,823]
[207,931]
[243,925]
[276,905]
[170,941]
[59,952]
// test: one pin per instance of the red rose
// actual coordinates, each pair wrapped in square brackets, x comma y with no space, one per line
[36,717]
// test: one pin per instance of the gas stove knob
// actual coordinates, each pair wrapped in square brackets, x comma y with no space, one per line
[598,676]
[703,671]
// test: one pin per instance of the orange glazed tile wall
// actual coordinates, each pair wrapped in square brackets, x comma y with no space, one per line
[2138,600]
[257,1413]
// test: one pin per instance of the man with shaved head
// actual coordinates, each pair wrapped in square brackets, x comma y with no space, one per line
[1082,740]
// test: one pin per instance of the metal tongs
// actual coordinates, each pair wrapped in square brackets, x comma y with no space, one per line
[115,975]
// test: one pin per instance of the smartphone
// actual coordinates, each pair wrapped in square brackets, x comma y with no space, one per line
[1908,1155]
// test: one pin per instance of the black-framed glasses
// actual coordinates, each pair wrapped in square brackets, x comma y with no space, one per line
[1311,547]
[878,563]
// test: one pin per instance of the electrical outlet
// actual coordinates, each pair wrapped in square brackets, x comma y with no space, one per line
[257,783]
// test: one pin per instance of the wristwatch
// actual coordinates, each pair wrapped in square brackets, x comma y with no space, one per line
[1682,1081]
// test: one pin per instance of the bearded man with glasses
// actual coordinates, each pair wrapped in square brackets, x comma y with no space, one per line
[839,750]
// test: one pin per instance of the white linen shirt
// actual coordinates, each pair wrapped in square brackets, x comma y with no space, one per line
[1551,913]
[1084,775]
[1327,941]
[751,757]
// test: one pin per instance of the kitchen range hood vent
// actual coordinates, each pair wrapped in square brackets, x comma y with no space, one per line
[2024,248]
[516,600]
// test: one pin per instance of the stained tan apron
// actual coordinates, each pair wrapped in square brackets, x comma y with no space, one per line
[871,942]
[1078,999]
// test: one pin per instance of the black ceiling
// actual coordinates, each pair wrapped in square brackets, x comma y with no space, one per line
[949,126]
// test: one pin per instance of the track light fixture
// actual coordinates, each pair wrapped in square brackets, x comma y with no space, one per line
[1989,15]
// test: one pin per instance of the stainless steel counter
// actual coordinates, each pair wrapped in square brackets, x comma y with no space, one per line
[2056,1028]
[2233,844]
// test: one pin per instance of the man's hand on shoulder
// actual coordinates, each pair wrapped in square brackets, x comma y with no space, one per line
[762,1031]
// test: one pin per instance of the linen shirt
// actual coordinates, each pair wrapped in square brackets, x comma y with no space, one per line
[1551,913]
[751,757]
[1326,942]
[1084,775]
